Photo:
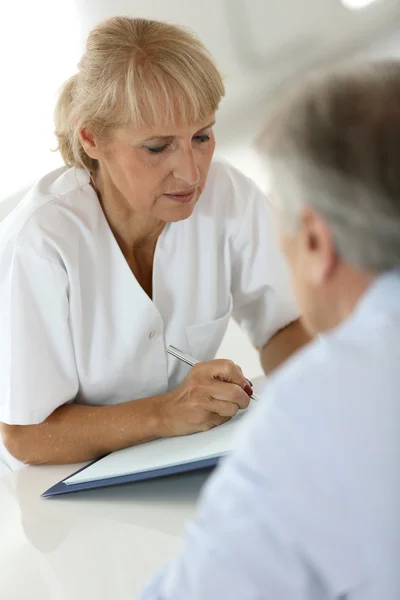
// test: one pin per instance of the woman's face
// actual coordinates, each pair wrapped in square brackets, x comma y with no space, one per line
[158,172]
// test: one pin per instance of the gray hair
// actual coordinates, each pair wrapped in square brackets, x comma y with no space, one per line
[333,143]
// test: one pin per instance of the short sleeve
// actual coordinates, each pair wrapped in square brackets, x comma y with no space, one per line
[37,365]
[263,300]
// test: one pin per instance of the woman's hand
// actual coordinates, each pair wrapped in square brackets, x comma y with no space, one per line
[211,394]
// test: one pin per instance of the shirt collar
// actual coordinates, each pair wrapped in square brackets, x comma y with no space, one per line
[380,300]
[382,295]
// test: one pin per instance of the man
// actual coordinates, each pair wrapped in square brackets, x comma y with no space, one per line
[308,506]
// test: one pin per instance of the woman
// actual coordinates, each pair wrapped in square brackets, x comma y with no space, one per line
[136,244]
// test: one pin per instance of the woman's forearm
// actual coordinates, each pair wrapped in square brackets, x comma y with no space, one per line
[282,345]
[77,432]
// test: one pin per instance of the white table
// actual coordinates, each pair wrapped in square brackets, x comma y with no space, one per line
[101,544]
[94,545]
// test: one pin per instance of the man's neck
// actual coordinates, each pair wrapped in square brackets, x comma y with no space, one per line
[343,294]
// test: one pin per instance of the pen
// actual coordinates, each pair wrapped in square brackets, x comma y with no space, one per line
[189,360]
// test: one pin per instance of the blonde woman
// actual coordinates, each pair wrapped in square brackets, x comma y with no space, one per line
[140,241]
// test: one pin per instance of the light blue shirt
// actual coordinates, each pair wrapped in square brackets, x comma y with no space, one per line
[308,506]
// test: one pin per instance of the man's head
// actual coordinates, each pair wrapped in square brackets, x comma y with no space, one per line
[332,145]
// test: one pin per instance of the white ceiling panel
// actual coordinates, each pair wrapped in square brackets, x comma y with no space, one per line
[271,26]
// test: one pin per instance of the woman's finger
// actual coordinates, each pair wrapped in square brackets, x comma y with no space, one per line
[228,392]
[215,420]
[227,371]
[224,409]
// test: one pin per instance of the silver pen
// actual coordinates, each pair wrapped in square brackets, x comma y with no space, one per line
[189,360]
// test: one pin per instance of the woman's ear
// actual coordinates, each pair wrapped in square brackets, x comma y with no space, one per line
[89,142]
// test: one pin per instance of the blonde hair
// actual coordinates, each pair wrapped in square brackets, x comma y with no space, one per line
[135,72]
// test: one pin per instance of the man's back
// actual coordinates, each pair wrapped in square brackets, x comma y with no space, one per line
[343,399]
[309,508]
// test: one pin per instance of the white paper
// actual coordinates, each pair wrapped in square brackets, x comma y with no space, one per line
[163,453]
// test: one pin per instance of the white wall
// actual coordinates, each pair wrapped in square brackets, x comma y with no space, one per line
[39,48]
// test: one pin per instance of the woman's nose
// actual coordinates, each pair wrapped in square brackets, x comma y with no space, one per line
[186,168]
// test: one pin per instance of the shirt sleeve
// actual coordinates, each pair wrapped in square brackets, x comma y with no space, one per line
[263,300]
[37,365]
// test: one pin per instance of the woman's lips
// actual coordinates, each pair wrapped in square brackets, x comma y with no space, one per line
[183,198]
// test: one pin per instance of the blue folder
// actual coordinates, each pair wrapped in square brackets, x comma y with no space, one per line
[151,460]
[63,488]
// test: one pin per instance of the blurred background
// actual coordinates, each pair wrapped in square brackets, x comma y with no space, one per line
[258,44]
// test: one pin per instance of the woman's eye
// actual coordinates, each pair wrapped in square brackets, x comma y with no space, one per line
[202,138]
[157,149]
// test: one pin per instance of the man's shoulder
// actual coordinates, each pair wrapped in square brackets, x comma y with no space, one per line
[324,365]
[337,375]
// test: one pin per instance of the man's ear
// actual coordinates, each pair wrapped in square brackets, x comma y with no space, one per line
[89,142]
[318,247]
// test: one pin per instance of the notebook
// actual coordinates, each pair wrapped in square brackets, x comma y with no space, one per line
[158,458]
